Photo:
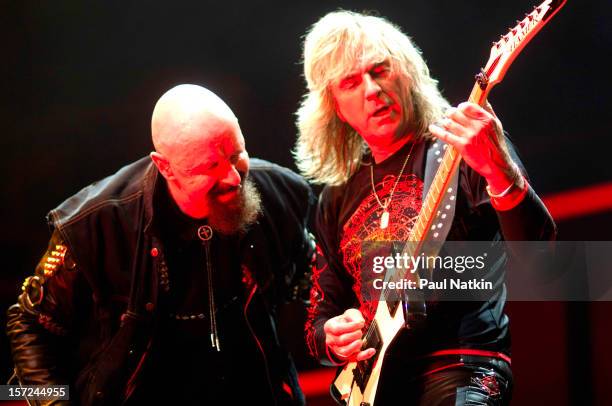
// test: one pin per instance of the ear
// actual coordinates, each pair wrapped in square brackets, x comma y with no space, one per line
[162,164]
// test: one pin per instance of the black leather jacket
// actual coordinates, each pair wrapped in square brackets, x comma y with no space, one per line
[87,316]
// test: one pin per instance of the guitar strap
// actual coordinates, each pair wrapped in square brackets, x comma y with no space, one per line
[443,219]
[415,306]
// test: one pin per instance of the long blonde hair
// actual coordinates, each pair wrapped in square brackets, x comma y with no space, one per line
[329,151]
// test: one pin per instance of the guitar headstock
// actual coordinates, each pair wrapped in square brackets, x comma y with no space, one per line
[507,48]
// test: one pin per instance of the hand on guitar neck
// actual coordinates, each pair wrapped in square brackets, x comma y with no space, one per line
[343,337]
[476,133]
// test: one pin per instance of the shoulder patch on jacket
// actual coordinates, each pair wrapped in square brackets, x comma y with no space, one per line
[54,259]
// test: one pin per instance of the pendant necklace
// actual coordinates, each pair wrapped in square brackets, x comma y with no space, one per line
[384,218]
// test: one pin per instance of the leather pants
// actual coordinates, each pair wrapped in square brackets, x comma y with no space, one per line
[450,380]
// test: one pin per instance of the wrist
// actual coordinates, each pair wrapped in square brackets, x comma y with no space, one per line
[510,197]
[333,357]
[502,193]
[501,183]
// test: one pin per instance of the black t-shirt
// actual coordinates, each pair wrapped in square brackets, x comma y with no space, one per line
[350,214]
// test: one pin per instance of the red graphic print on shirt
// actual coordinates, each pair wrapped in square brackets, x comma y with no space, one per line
[316,296]
[364,225]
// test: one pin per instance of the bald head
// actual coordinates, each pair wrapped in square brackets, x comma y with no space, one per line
[199,148]
[185,115]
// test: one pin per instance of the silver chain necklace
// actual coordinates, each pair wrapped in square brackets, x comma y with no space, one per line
[384,218]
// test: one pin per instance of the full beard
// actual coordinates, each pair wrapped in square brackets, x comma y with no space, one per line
[236,217]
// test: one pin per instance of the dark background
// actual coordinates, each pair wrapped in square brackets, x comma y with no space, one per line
[79,80]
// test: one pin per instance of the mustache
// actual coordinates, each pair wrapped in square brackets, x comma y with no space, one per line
[236,218]
[221,189]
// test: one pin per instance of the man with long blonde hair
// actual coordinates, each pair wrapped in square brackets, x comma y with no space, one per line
[370,115]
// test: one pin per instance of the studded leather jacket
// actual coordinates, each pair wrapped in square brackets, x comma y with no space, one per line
[86,317]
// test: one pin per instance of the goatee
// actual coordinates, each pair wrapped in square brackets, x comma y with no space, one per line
[235,217]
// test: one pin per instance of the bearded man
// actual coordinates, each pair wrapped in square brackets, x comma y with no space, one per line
[162,281]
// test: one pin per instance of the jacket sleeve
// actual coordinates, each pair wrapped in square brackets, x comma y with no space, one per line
[39,324]
[331,293]
[299,280]
[287,204]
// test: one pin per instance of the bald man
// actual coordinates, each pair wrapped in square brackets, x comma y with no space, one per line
[200,151]
[161,282]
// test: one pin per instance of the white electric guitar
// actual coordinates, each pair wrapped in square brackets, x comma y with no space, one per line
[357,382]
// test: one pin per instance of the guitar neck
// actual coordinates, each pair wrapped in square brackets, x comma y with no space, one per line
[479,92]
[448,165]
[503,53]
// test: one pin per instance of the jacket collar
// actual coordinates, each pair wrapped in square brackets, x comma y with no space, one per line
[152,181]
